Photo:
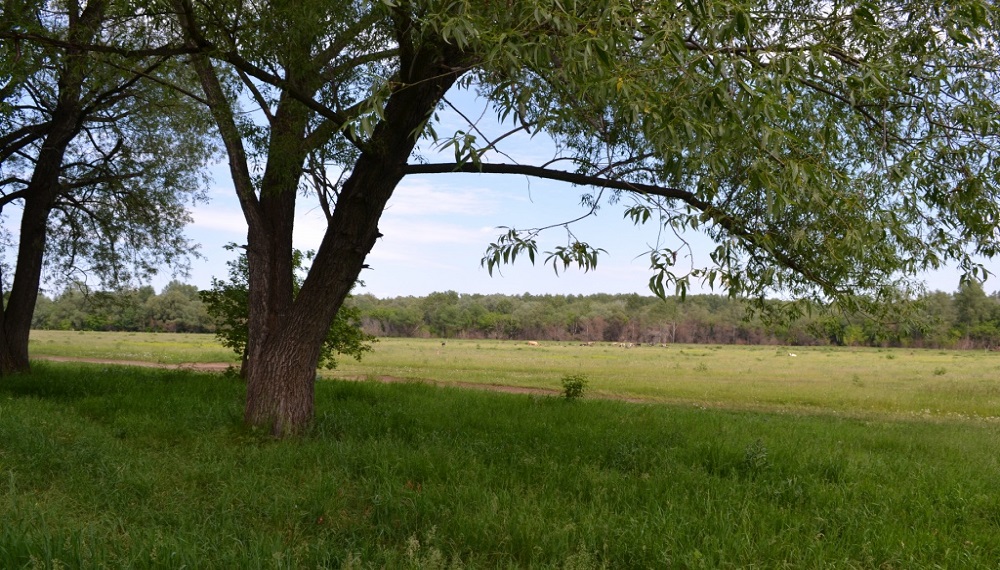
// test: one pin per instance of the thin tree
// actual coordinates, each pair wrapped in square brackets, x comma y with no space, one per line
[97,151]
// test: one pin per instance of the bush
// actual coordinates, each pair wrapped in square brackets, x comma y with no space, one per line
[573,386]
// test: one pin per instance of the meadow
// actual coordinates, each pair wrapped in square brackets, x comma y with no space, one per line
[935,383]
[113,466]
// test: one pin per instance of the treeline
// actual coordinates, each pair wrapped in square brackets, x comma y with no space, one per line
[965,319]
[968,318]
[177,308]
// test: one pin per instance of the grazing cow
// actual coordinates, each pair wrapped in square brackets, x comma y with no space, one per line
[532,343]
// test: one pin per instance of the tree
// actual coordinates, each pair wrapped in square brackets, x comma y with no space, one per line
[227,302]
[828,149]
[100,154]
[178,308]
[973,309]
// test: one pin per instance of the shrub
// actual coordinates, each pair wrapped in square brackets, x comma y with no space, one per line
[573,386]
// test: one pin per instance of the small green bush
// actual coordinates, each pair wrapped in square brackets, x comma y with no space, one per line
[573,386]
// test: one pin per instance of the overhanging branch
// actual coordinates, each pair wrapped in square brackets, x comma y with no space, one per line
[725,220]
[159,51]
[562,176]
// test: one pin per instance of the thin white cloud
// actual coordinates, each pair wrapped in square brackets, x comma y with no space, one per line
[425,197]
[217,218]
[401,231]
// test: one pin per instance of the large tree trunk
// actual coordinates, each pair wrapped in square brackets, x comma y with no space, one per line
[285,338]
[40,196]
[41,193]
[280,384]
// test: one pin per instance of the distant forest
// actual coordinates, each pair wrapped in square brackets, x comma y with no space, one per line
[967,318]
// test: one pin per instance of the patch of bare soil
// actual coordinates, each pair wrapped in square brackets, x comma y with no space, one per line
[197,366]
[222,366]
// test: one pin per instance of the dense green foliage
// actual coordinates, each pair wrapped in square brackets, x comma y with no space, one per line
[133,144]
[177,308]
[968,318]
[118,467]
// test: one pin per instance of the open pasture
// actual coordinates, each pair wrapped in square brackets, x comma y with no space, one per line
[119,467]
[109,466]
[845,380]
[158,348]
[894,381]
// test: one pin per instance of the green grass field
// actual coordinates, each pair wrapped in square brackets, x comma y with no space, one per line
[162,348]
[843,380]
[112,466]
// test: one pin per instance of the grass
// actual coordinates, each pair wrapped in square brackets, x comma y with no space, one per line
[163,348]
[894,381]
[119,467]
[906,382]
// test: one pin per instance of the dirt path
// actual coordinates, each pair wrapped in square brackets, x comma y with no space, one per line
[197,366]
[222,366]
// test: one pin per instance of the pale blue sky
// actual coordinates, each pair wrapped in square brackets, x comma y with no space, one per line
[437,228]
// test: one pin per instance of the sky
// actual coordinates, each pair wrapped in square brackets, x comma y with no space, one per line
[437,228]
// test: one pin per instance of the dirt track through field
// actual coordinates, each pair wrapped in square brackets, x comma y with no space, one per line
[222,366]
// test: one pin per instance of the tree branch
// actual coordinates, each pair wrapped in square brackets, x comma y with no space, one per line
[22,137]
[13,196]
[723,219]
[162,51]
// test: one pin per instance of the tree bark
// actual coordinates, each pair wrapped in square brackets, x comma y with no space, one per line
[280,384]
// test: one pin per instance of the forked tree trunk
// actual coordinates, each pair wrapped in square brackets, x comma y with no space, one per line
[285,337]
[284,350]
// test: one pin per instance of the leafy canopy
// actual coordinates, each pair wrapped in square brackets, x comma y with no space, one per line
[136,142]
[830,149]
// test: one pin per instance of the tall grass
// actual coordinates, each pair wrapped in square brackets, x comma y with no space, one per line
[118,467]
